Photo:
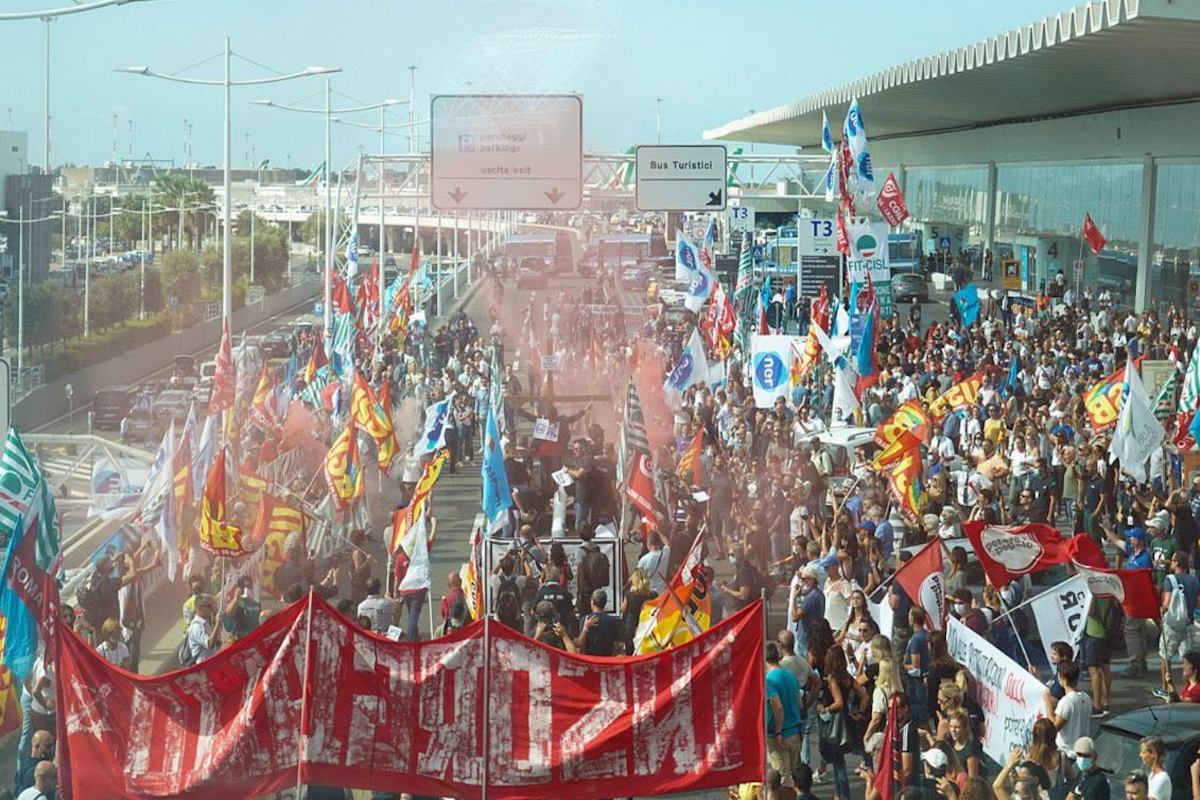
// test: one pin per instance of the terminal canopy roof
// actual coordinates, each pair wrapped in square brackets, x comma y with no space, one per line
[1098,56]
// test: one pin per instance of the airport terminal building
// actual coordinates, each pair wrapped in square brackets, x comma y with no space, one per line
[1006,143]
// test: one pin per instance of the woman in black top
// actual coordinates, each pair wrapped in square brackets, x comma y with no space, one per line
[631,606]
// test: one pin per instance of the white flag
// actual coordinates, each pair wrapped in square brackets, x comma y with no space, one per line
[699,288]
[433,438]
[854,133]
[687,258]
[1061,612]
[692,367]
[417,576]
[770,357]
[1189,397]
[1138,434]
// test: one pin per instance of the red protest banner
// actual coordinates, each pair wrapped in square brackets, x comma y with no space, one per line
[311,697]
[891,202]
[1007,552]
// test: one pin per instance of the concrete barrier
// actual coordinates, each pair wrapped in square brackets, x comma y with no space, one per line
[50,401]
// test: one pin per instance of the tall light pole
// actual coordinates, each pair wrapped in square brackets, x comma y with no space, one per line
[328,111]
[658,120]
[46,149]
[228,83]
[412,102]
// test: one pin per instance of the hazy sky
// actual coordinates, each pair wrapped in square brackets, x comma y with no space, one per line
[709,61]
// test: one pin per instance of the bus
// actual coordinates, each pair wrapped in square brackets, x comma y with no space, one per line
[554,250]
[904,251]
[630,249]
[782,250]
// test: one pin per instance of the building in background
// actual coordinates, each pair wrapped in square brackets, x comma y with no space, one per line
[1006,143]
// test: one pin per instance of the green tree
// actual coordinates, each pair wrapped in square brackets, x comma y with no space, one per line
[270,252]
[176,190]
[181,277]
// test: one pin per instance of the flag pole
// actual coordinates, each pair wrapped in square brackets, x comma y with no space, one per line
[304,694]
[487,690]
[766,637]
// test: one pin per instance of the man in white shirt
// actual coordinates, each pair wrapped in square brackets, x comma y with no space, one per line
[204,631]
[654,563]
[1072,714]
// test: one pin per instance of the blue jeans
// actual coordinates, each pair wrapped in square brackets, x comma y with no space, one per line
[841,778]
[413,603]
[583,510]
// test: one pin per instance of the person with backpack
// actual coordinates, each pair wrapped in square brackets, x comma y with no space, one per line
[593,567]
[1179,595]
[554,591]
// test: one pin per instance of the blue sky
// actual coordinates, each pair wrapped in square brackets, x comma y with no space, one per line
[709,61]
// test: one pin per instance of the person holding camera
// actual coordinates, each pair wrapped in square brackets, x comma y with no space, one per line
[549,630]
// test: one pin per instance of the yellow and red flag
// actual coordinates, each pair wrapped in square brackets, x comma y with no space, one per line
[910,416]
[1103,401]
[225,376]
[10,703]
[682,612]
[343,470]
[689,462]
[405,518]
[812,344]
[275,517]
[963,394]
[374,419]
[316,360]
[217,535]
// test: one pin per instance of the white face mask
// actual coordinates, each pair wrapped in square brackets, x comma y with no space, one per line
[960,608]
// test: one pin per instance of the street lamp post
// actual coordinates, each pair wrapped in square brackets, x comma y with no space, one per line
[227,83]
[328,111]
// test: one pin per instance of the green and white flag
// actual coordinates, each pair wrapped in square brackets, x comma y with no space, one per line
[1164,401]
[22,487]
[1189,398]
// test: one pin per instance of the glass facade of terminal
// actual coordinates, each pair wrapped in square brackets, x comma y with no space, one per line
[1038,217]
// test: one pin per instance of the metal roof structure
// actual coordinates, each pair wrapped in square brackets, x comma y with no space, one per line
[1098,56]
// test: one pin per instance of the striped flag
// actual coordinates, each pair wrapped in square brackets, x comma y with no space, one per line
[252,488]
[1164,401]
[343,342]
[635,440]
[22,488]
[343,468]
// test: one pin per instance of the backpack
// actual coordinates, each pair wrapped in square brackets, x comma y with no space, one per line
[88,598]
[1176,615]
[184,654]
[593,572]
[508,604]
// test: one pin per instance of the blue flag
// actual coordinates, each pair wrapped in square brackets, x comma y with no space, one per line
[1010,383]
[21,631]
[497,498]
[865,355]
[967,301]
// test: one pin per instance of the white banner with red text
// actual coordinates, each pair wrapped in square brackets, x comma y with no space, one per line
[1010,697]
[311,697]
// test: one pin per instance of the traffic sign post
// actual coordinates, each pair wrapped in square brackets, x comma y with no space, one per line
[5,395]
[506,152]
[69,391]
[741,218]
[681,177]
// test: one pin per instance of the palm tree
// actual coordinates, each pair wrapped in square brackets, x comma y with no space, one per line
[178,190]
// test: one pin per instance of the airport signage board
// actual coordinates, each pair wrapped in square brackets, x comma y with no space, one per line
[506,152]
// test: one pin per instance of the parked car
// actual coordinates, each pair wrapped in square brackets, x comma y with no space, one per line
[636,278]
[139,425]
[276,345]
[1177,724]
[110,405]
[184,374]
[910,286]
[530,276]
[203,390]
[173,404]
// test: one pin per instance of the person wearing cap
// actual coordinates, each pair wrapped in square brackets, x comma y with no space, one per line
[1092,781]
[1136,552]
[807,604]
[1162,545]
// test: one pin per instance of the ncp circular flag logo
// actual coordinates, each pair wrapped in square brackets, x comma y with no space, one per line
[866,245]
[769,371]
[685,256]
[682,374]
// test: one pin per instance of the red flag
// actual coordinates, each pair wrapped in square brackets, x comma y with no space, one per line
[888,763]
[843,237]
[891,202]
[1092,235]
[922,580]
[1006,552]
[1087,552]
[845,165]
[1132,588]
[343,303]
[224,377]
[640,490]
[1183,431]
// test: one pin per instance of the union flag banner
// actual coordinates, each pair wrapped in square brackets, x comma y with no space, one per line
[812,343]
[964,394]
[718,322]
[899,447]
[252,488]
[1006,552]
[311,697]
[689,463]
[905,478]
[371,417]
[275,516]
[910,416]
[217,535]
[262,407]
[343,470]
[10,703]
[405,518]
[922,580]
[1103,401]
